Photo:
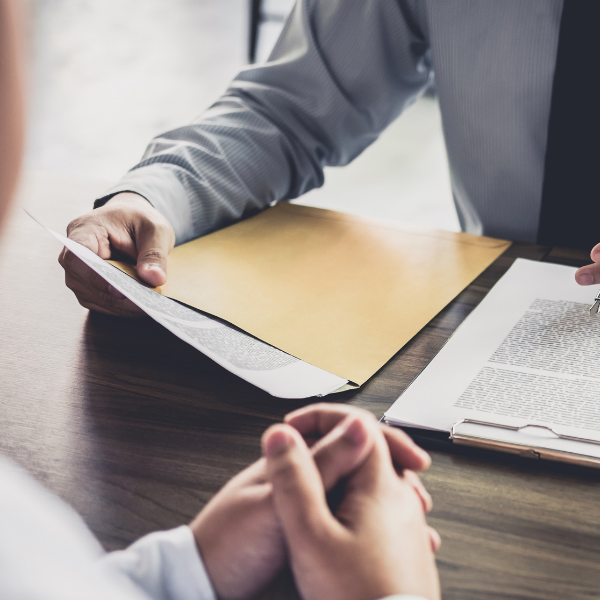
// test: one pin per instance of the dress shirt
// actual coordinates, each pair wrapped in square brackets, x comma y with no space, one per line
[340,73]
[47,553]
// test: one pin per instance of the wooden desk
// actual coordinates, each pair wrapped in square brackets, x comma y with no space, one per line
[137,430]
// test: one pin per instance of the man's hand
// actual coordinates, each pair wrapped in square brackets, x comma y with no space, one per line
[375,544]
[238,534]
[126,225]
[590,274]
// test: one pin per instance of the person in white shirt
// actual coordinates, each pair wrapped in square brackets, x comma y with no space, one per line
[374,545]
[269,533]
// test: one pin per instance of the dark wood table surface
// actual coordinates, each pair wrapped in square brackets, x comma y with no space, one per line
[137,430]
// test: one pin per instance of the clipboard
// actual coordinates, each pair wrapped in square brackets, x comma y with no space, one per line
[498,393]
[525,451]
[457,441]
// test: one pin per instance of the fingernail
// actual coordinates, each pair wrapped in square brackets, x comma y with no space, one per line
[153,267]
[425,455]
[585,279]
[355,432]
[113,291]
[277,443]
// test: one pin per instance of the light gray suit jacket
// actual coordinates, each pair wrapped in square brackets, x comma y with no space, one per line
[341,72]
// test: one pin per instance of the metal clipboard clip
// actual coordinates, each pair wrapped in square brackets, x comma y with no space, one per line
[524,450]
[596,306]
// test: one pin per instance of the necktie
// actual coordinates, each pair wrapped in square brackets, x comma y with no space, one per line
[570,211]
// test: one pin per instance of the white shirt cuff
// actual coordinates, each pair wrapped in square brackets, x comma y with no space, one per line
[166,565]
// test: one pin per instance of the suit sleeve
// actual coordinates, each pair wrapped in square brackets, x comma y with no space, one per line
[341,71]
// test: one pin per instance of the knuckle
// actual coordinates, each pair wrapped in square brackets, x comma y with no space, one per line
[66,260]
[152,223]
[152,254]
[107,301]
[70,283]
[80,222]
[87,228]
[98,281]
[74,224]
[367,416]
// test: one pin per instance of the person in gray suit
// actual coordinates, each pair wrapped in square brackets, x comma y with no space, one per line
[517,96]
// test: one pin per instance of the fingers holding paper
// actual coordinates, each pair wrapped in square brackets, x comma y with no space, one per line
[126,225]
[92,291]
[375,544]
[590,274]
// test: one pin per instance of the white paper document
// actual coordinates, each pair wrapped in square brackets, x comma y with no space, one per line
[527,355]
[266,367]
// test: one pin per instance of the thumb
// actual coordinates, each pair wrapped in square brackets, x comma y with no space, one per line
[153,246]
[298,492]
[344,449]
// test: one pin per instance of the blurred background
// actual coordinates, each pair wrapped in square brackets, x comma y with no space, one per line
[108,75]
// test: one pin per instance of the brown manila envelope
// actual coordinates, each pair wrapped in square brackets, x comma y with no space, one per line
[341,292]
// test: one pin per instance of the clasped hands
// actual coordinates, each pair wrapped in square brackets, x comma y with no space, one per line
[333,511]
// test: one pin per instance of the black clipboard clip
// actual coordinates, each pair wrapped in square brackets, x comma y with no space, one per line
[524,450]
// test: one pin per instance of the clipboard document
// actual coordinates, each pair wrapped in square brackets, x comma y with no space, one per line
[520,374]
